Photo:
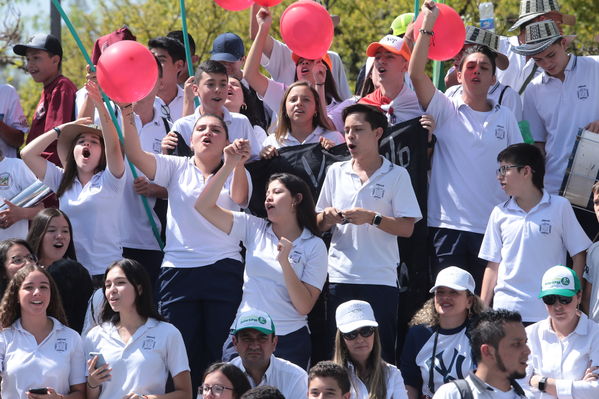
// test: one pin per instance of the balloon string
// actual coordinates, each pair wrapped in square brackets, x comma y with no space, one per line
[196,100]
[108,104]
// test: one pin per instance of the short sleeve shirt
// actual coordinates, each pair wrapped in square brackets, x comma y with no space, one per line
[11,113]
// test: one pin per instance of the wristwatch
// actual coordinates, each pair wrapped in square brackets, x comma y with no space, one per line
[378,218]
[542,384]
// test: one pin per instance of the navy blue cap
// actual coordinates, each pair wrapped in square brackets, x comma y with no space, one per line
[40,41]
[227,47]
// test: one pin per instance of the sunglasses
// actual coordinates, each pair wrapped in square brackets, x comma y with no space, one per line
[364,332]
[551,299]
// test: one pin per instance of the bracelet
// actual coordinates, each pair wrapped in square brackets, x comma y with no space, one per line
[57,130]
[426,32]
[91,386]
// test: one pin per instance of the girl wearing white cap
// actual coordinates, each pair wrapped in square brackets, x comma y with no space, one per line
[565,346]
[358,350]
[439,335]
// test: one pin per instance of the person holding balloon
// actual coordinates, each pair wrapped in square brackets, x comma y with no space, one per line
[91,182]
[471,131]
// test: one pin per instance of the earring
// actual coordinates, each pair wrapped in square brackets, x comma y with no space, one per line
[243,107]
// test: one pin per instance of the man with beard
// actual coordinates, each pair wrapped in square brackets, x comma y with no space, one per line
[499,347]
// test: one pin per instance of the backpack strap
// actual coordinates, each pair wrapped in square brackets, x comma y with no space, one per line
[464,389]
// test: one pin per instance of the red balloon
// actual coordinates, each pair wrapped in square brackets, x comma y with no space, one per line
[234,5]
[449,33]
[127,71]
[268,3]
[307,28]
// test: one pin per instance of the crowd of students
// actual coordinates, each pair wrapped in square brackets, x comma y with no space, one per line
[229,286]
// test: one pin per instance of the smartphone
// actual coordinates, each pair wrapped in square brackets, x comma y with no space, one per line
[100,362]
[39,391]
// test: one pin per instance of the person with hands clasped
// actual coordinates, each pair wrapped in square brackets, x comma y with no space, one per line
[40,357]
[285,264]
[367,202]
[91,183]
[138,347]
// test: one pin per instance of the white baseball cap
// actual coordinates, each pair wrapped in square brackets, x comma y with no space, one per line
[559,280]
[455,278]
[354,314]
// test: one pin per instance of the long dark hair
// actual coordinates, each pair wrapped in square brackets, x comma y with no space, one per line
[70,168]
[238,379]
[251,110]
[304,209]
[10,308]
[139,279]
[39,227]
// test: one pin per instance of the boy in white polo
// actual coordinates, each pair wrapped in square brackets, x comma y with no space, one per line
[367,202]
[527,235]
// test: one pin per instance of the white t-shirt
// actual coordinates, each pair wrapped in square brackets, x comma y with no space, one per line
[191,240]
[556,110]
[12,114]
[136,230]
[15,176]
[143,364]
[393,381]
[365,254]
[314,137]
[287,377]
[238,125]
[510,98]
[591,274]
[263,281]
[94,213]
[526,245]
[463,188]
[564,359]
[519,69]
[57,362]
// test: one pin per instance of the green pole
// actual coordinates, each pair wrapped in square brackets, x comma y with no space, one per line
[144,200]
[196,101]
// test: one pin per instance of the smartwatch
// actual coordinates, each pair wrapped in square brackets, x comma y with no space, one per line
[542,384]
[378,218]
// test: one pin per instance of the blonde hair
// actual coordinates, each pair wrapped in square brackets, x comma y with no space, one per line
[428,315]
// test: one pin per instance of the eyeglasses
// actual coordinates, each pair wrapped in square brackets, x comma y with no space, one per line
[216,389]
[504,168]
[21,260]
[551,299]
[364,332]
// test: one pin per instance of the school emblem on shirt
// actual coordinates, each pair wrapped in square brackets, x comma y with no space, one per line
[295,257]
[156,146]
[149,343]
[378,191]
[4,180]
[583,92]
[545,227]
[500,132]
[60,345]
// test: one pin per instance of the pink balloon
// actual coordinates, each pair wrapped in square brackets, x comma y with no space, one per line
[127,71]
[234,5]
[449,36]
[267,3]
[307,28]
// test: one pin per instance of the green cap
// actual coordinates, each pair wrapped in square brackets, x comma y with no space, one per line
[255,319]
[560,280]
[400,24]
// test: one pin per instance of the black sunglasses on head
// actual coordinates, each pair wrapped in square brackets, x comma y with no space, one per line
[364,332]
[551,299]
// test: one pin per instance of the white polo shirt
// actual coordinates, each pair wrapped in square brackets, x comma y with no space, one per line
[191,240]
[463,188]
[564,359]
[591,274]
[519,69]
[365,254]
[143,364]
[94,213]
[314,137]
[175,107]
[393,381]
[136,230]
[11,113]
[510,98]
[287,377]
[556,111]
[238,125]
[263,281]
[479,388]
[526,245]
[57,362]
[15,176]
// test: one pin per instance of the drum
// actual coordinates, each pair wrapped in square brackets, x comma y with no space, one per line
[582,171]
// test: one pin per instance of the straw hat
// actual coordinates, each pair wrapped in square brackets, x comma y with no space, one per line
[488,39]
[530,9]
[68,133]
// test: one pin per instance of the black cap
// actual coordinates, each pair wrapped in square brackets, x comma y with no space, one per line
[40,41]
